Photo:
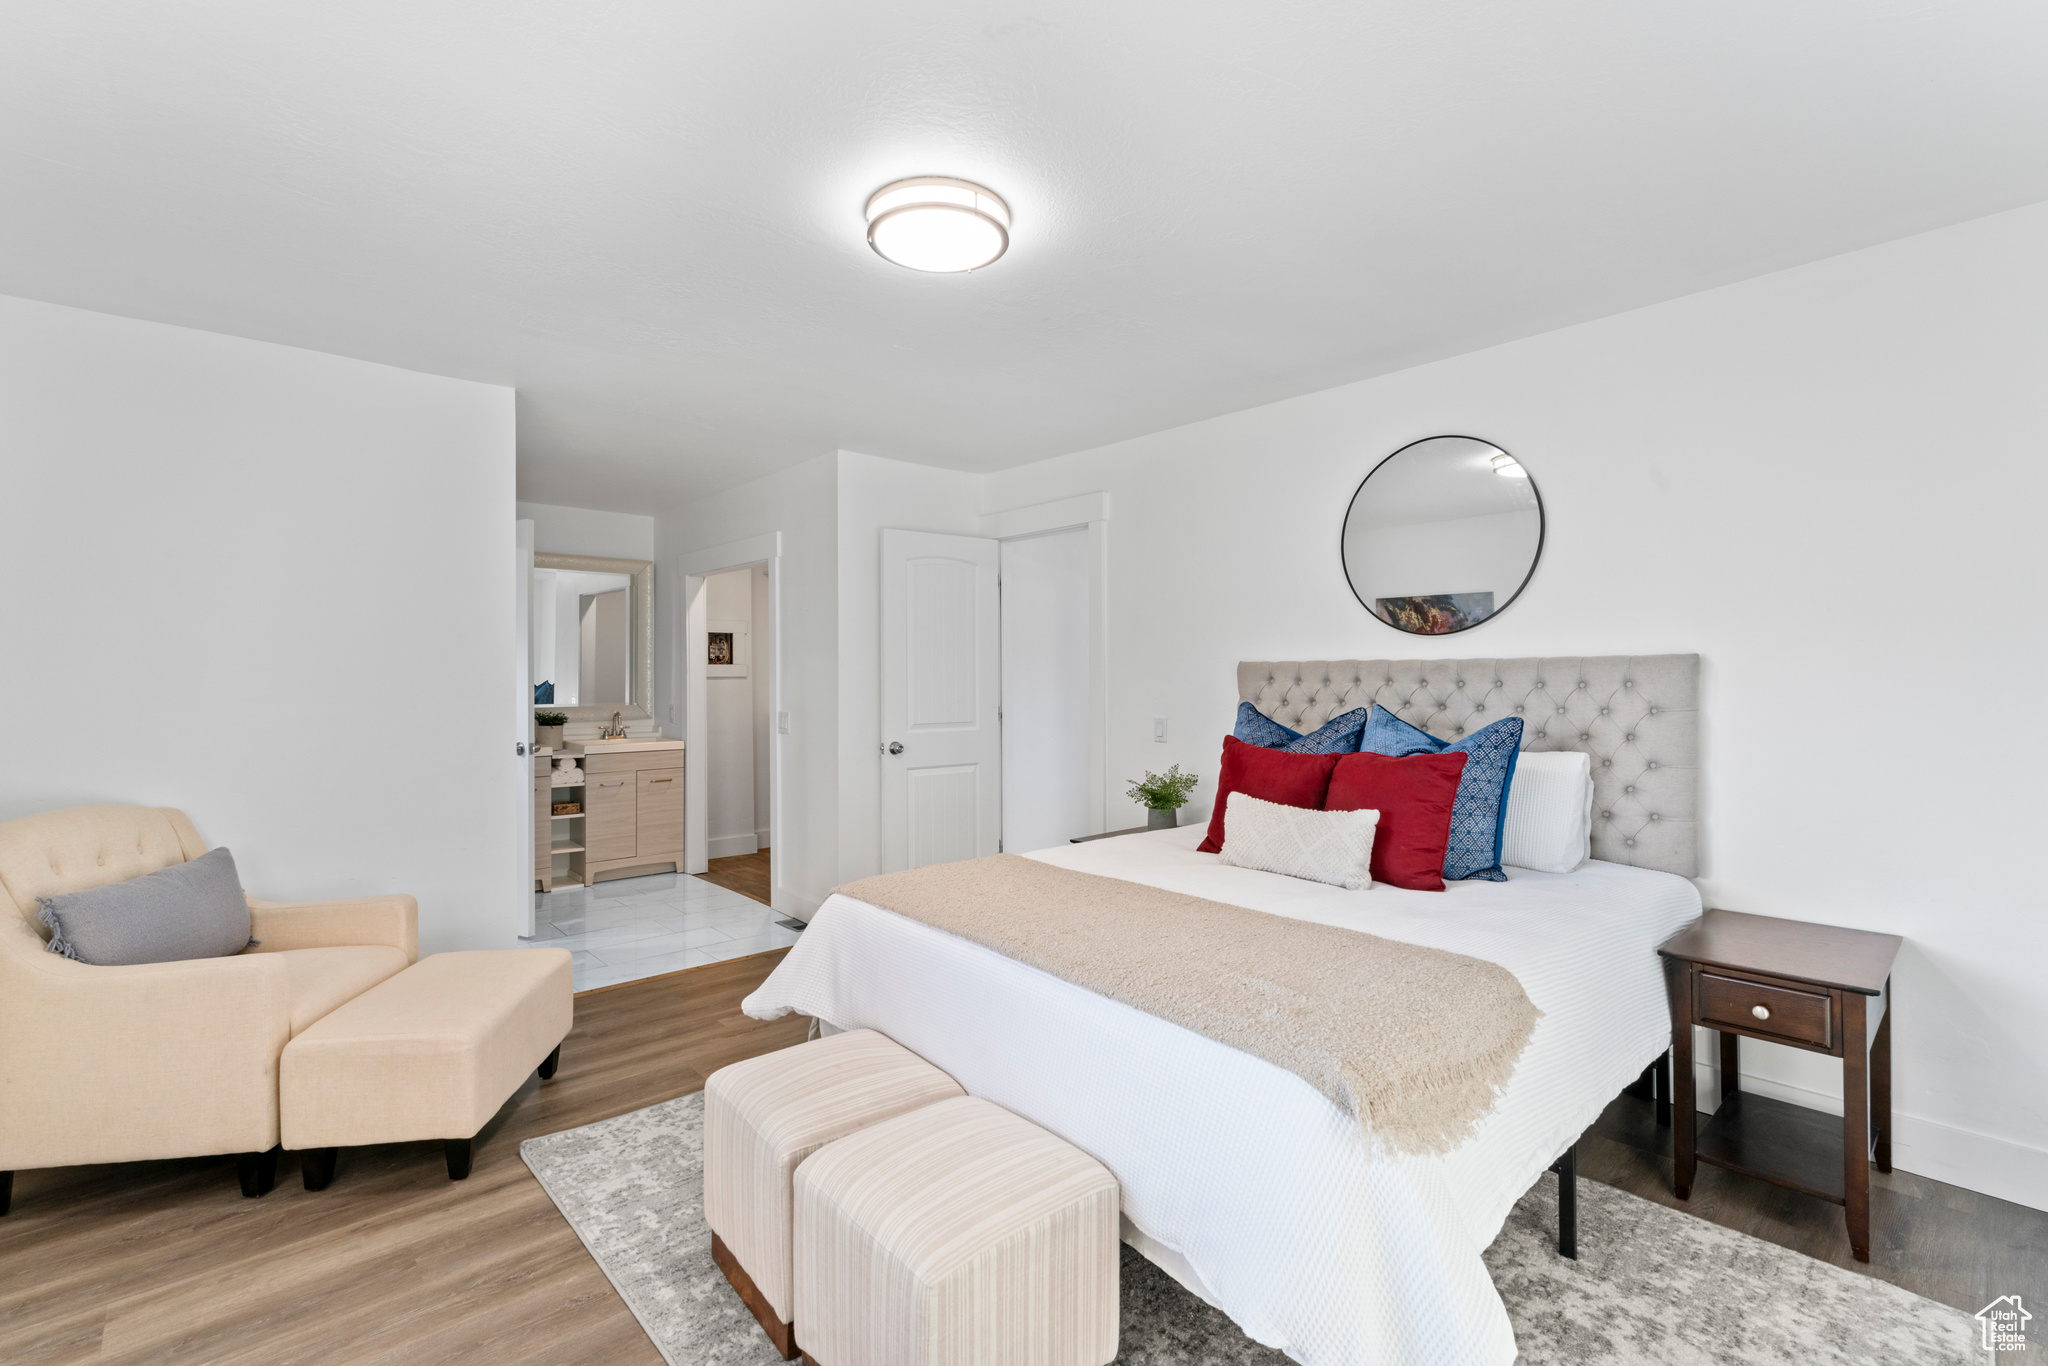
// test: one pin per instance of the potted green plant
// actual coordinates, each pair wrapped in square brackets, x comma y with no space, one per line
[547,728]
[1163,795]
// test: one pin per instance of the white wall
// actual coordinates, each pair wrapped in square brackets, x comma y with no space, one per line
[212,550]
[801,504]
[730,735]
[1831,483]
[584,531]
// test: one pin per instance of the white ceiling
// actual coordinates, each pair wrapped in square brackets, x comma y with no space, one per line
[646,214]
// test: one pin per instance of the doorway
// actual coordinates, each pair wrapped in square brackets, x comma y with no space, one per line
[729,622]
[738,663]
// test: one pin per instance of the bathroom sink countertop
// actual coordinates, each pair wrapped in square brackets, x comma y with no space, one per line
[620,746]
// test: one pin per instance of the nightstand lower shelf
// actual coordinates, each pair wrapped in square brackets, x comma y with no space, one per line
[1790,1145]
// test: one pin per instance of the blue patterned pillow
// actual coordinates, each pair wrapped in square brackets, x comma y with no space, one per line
[1479,816]
[1338,735]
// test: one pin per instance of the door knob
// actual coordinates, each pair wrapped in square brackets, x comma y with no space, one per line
[1761,1012]
[895,746]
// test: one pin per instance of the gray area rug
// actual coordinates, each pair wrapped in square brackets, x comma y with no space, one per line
[1652,1285]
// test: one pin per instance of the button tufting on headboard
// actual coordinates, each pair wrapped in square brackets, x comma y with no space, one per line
[1636,715]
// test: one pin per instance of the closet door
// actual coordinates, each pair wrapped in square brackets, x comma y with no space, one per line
[609,828]
[660,814]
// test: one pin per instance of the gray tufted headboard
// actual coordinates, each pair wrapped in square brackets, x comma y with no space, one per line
[1636,715]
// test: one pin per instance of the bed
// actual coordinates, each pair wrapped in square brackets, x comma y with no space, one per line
[1239,1178]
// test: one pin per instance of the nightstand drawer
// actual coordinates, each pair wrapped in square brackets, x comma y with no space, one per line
[1753,1008]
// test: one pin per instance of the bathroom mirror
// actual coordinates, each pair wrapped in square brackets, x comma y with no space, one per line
[1442,534]
[592,635]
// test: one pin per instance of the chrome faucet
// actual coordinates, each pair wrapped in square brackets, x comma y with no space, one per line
[614,731]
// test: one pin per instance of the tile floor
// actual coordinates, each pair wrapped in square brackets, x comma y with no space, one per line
[645,926]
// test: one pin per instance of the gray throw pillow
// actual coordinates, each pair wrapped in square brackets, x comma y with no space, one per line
[188,910]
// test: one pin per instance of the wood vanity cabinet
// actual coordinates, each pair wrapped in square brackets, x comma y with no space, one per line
[543,826]
[609,830]
[633,813]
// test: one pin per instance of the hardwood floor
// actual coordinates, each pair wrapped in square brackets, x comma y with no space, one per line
[397,1266]
[746,874]
[1949,1244]
[393,1264]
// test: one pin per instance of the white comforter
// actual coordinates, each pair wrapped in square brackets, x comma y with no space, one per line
[1238,1177]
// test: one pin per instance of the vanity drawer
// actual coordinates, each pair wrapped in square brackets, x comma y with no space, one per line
[594,762]
[1787,1012]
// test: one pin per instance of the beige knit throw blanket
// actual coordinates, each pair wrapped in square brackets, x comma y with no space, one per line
[1414,1042]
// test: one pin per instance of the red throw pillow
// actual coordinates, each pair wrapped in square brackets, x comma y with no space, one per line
[1289,779]
[1414,796]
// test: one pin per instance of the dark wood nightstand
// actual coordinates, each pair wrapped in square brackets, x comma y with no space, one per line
[1816,987]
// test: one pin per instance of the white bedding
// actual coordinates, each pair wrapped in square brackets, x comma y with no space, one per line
[1238,1177]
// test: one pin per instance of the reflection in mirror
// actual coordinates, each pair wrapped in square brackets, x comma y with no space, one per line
[582,638]
[1442,534]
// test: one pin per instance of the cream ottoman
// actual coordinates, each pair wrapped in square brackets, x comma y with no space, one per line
[764,1116]
[431,1053]
[952,1235]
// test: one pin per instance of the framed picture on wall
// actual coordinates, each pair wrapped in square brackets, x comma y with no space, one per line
[725,654]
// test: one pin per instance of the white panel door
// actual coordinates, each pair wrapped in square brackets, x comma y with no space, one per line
[942,746]
[1046,703]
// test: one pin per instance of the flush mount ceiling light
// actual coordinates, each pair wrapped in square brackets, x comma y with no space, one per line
[939,224]
[1507,467]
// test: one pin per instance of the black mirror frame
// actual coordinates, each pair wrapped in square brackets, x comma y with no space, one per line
[1542,532]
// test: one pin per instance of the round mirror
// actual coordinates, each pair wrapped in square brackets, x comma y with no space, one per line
[1443,534]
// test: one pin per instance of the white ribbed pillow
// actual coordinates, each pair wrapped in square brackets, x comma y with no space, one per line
[1549,823]
[1322,846]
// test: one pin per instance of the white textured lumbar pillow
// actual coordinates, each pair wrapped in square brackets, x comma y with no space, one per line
[1549,824]
[1322,846]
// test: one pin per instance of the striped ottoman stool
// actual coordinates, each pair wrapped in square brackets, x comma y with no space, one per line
[957,1234]
[764,1116]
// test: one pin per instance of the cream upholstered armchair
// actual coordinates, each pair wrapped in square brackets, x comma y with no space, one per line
[122,1064]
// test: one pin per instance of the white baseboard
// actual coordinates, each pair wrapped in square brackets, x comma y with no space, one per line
[1991,1166]
[728,846]
[801,904]
[1979,1162]
[761,839]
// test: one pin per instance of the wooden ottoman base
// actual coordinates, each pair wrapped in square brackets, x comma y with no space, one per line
[762,1119]
[781,1335]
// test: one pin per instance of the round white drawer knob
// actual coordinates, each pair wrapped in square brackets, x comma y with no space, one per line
[1761,1012]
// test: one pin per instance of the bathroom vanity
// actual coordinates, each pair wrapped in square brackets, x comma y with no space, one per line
[631,822]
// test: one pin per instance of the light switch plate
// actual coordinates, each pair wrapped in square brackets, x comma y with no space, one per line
[782,722]
[1159,729]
